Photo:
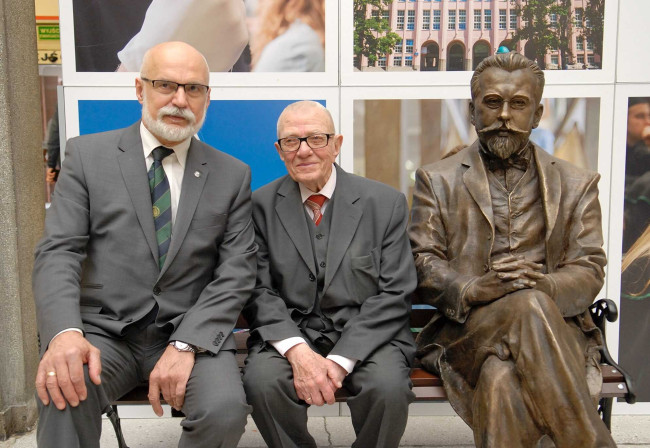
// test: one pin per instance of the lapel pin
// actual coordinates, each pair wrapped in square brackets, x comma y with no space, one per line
[197,174]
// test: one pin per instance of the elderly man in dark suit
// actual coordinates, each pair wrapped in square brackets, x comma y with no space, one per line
[331,304]
[507,244]
[147,260]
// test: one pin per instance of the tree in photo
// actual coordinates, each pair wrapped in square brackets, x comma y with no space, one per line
[594,24]
[546,26]
[372,35]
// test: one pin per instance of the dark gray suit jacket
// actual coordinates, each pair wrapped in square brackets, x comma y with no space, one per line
[96,266]
[369,272]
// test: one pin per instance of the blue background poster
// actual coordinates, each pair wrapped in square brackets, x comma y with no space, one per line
[245,129]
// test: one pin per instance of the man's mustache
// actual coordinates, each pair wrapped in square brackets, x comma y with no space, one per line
[501,126]
[178,112]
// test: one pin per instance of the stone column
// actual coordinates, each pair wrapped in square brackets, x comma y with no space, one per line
[22,212]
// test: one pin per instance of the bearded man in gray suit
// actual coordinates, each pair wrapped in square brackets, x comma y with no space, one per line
[147,259]
[331,304]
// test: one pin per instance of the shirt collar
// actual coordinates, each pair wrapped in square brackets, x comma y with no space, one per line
[327,190]
[150,142]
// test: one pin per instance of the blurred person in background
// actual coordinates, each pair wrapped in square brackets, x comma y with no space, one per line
[635,309]
[637,171]
[290,36]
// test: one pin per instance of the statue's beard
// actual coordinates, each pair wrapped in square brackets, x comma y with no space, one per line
[500,145]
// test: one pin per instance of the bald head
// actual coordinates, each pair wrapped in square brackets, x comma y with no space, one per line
[302,107]
[169,55]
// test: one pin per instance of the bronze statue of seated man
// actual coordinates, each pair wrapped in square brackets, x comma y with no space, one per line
[507,243]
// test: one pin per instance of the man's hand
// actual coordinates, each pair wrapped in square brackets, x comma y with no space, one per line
[336,374]
[60,374]
[169,377]
[507,275]
[313,375]
[50,175]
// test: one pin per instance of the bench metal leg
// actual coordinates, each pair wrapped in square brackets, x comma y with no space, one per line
[605,410]
[113,416]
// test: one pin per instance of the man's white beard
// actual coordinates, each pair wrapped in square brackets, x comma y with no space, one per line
[170,132]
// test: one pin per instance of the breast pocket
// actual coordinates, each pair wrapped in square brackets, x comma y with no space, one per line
[365,273]
[204,222]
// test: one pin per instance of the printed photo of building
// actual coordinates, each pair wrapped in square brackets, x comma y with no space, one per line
[455,35]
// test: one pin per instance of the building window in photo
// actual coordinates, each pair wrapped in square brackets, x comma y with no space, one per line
[462,19]
[436,20]
[410,21]
[426,19]
[400,20]
[409,46]
[452,20]
[488,19]
[477,19]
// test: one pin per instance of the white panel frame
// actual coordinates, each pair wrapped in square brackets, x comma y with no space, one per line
[349,77]
[327,78]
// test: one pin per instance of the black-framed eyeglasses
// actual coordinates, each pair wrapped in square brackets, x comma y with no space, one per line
[314,141]
[169,87]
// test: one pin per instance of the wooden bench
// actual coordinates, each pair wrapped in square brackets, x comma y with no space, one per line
[428,387]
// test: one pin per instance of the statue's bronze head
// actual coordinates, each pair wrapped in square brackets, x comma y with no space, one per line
[505,107]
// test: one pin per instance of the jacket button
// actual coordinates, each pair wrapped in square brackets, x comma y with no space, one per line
[322,264]
[157,290]
[319,236]
[311,277]
[486,267]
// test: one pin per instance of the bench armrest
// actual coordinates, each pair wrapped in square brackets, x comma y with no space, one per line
[603,311]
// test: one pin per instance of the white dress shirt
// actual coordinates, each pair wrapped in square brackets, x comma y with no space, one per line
[282,346]
[173,164]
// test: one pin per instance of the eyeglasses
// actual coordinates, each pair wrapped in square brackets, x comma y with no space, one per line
[169,87]
[314,141]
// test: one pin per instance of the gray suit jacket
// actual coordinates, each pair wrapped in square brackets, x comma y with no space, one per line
[96,266]
[369,272]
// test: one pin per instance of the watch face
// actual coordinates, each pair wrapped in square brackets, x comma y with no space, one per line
[182,346]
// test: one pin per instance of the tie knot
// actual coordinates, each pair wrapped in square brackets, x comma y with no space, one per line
[315,201]
[161,152]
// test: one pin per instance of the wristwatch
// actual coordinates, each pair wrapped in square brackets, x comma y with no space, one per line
[183,346]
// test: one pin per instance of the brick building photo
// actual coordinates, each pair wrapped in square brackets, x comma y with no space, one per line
[455,35]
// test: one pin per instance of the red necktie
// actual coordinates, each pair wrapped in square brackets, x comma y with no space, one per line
[315,202]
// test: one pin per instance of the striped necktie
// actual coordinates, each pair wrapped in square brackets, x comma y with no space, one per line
[315,202]
[162,202]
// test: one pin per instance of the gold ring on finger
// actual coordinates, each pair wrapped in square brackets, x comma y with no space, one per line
[52,373]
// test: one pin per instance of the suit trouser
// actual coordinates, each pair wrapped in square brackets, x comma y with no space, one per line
[380,390]
[215,405]
[527,368]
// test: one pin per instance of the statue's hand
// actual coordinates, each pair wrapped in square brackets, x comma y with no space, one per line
[494,285]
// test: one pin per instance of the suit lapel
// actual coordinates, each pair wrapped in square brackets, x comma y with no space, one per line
[551,188]
[346,214]
[475,179]
[290,212]
[134,172]
[191,189]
